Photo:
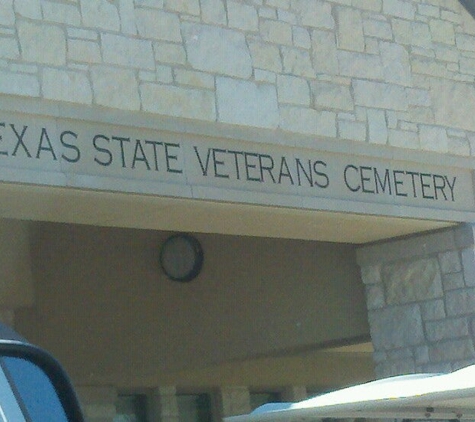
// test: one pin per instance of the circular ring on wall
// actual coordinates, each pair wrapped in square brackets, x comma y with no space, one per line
[181,257]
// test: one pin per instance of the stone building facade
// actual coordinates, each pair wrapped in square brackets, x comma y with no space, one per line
[420,302]
[389,72]
[342,131]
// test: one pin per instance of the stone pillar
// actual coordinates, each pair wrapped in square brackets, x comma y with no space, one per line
[98,403]
[420,295]
[233,401]
[165,405]
[16,280]
[294,393]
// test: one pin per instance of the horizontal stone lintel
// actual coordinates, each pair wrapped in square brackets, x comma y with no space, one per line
[207,161]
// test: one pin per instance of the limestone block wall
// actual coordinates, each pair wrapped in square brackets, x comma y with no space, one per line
[421,301]
[396,72]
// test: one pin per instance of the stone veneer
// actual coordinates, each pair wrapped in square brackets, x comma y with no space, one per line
[395,72]
[421,301]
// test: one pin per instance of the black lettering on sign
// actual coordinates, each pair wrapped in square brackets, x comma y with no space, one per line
[413,175]
[382,185]
[217,161]
[21,141]
[204,166]
[439,186]
[307,172]
[268,168]
[45,144]
[155,144]
[261,167]
[404,183]
[70,146]
[171,158]
[366,180]
[19,138]
[325,180]
[285,171]
[426,187]
[108,160]
[451,186]
[122,150]
[251,166]
[237,154]
[139,155]
[398,182]
[354,187]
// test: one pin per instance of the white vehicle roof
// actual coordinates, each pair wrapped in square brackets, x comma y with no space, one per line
[417,396]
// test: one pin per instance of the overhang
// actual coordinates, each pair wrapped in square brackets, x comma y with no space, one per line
[123,169]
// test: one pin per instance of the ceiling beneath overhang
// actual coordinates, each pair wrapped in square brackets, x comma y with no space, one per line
[163,213]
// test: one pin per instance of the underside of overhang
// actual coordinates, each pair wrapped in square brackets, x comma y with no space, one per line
[109,209]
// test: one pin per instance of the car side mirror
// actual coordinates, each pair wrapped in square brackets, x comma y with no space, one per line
[34,387]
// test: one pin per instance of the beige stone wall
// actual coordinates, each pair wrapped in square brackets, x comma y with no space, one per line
[396,72]
[420,295]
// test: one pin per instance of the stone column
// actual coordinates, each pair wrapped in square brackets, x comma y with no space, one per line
[420,295]
[294,393]
[165,405]
[98,403]
[16,280]
[233,401]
